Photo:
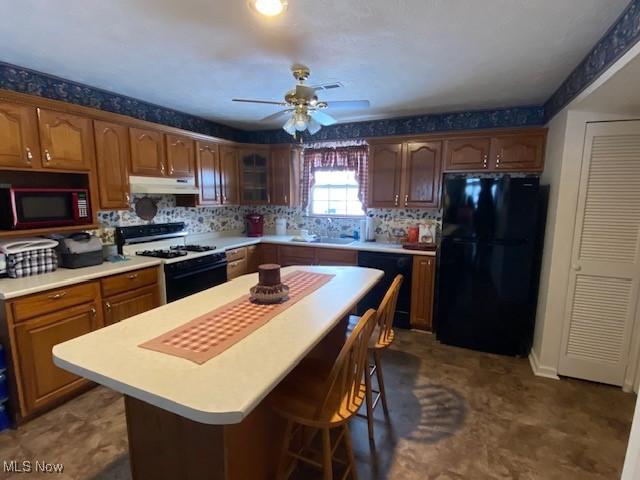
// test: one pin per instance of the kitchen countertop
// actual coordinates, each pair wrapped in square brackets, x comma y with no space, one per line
[17,287]
[225,389]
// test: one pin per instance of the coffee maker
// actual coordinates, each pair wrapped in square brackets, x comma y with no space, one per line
[255,225]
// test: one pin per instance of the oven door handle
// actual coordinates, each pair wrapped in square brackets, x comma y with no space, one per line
[195,272]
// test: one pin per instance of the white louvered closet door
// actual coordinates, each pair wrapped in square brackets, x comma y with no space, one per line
[603,287]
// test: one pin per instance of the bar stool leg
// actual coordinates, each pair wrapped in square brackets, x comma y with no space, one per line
[283,466]
[327,457]
[349,447]
[369,404]
[383,396]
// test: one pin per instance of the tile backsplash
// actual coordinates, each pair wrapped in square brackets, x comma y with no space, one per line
[390,222]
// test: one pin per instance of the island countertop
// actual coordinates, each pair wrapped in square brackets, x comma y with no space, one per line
[225,389]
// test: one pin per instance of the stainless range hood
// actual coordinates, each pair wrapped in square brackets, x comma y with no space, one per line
[159,185]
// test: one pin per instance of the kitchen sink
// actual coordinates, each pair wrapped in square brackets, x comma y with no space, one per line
[331,240]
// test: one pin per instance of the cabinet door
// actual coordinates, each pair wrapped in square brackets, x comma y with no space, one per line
[19,142]
[180,156]
[467,154]
[518,153]
[421,175]
[66,140]
[268,253]
[129,304]
[290,255]
[112,162]
[147,152]
[208,163]
[42,382]
[253,258]
[336,256]
[385,173]
[254,177]
[229,158]
[285,176]
[422,288]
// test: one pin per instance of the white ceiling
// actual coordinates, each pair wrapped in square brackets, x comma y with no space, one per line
[405,56]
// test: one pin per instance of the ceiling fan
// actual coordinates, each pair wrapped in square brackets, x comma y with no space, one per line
[304,106]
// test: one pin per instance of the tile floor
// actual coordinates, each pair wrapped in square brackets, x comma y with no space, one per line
[456,414]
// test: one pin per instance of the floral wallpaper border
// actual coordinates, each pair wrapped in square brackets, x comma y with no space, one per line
[620,37]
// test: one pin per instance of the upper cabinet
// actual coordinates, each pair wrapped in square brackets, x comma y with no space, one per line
[19,142]
[208,165]
[405,174]
[254,176]
[147,152]
[230,175]
[112,161]
[385,174]
[421,174]
[285,175]
[66,140]
[467,154]
[180,157]
[518,152]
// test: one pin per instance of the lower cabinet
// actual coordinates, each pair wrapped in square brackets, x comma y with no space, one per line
[125,305]
[267,253]
[303,255]
[422,292]
[42,382]
[253,258]
[32,325]
[237,262]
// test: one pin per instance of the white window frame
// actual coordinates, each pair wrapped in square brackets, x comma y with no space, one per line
[310,211]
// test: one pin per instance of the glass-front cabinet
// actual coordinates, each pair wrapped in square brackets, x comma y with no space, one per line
[254,167]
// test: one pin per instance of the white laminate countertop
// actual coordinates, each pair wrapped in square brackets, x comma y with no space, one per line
[17,287]
[225,389]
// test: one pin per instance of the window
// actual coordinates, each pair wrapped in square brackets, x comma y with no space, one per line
[335,193]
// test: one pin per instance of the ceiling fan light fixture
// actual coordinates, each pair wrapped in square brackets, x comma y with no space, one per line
[301,120]
[290,127]
[269,8]
[313,127]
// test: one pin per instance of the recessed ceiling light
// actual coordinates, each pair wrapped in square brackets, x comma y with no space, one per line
[269,8]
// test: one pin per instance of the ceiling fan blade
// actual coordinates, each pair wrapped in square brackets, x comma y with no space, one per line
[267,102]
[322,118]
[276,115]
[349,104]
[305,91]
[313,127]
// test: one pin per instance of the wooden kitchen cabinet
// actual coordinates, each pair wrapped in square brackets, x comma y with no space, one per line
[208,166]
[467,154]
[128,281]
[237,262]
[296,255]
[421,174]
[267,253]
[385,175]
[147,152]
[43,384]
[180,156]
[230,175]
[66,140]
[254,176]
[518,153]
[128,304]
[336,257]
[285,175]
[19,141]
[422,292]
[112,161]
[253,258]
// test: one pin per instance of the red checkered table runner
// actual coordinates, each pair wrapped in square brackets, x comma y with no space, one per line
[205,337]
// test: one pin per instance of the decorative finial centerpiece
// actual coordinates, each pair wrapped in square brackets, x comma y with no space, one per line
[270,288]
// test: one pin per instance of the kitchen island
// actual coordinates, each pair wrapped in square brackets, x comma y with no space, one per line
[212,420]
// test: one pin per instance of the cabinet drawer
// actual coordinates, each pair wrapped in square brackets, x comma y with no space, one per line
[236,269]
[54,300]
[335,256]
[236,254]
[128,281]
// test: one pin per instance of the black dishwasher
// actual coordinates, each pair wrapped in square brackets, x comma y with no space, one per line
[391,264]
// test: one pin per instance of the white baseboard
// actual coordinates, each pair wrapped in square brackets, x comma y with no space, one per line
[539,370]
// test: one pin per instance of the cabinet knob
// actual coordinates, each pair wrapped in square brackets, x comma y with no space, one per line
[47,156]
[484,161]
[29,155]
[107,305]
[406,199]
[133,276]
[396,199]
[127,197]
[498,160]
[286,198]
[94,312]
[57,296]
[162,168]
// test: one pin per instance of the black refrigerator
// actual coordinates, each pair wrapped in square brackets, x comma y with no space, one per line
[489,262]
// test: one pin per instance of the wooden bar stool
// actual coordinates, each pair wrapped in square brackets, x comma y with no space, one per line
[310,400]
[381,339]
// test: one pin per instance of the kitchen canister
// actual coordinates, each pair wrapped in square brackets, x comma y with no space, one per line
[281,226]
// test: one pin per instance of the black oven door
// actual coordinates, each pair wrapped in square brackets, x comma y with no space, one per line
[191,276]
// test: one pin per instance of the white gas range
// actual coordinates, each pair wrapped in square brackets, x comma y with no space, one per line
[188,269]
